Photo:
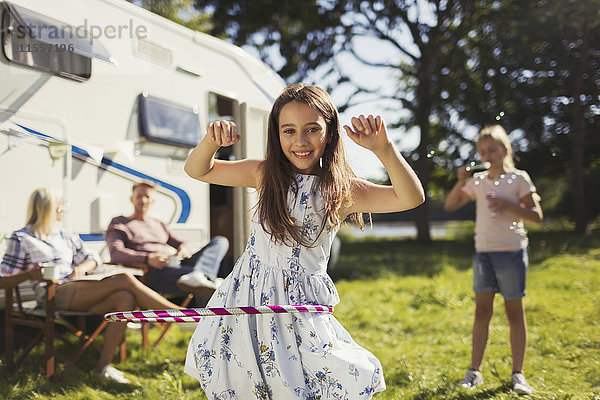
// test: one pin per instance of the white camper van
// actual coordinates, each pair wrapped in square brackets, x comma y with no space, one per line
[98,94]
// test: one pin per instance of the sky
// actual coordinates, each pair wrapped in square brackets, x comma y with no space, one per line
[364,163]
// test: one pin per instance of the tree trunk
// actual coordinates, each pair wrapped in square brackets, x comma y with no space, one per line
[422,170]
[577,172]
[422,167]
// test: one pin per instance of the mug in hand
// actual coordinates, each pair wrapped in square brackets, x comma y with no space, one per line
[174,261]
[50,271]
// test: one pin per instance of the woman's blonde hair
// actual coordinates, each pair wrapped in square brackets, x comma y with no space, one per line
[497,133]
[41,210]
[278,174]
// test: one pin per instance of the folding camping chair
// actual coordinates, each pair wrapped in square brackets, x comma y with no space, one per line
[26,313]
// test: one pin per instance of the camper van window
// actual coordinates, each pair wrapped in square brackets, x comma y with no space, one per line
[38,41]
[220,108]
[166,122]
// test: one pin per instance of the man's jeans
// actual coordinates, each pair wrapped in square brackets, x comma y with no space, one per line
[206,260]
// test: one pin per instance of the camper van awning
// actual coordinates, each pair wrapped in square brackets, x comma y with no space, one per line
[50,31]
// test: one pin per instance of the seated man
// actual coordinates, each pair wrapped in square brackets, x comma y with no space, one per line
[145,242]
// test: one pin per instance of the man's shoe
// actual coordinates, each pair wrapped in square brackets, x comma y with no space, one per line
[109,373]
[519,384]
[197,284]
[473,378]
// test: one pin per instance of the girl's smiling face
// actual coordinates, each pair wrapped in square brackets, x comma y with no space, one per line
[302,135]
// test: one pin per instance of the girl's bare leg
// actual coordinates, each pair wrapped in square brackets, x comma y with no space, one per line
[515,312]
[484,308]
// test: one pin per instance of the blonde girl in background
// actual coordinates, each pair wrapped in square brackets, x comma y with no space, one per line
[505,197]
[306,189]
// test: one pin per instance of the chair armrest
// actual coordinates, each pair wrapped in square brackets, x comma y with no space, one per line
[12,281]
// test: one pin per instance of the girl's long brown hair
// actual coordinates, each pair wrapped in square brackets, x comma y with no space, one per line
[278,175]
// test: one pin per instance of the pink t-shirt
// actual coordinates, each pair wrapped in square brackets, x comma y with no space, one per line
[499,231]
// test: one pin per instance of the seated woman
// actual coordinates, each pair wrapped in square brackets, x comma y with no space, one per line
[43,241]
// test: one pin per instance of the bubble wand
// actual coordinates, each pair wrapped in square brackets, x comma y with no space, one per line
[478,167]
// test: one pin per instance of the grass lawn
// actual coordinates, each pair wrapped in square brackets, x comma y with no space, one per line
[412,306]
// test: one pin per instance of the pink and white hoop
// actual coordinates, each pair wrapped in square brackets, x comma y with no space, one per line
[196,314]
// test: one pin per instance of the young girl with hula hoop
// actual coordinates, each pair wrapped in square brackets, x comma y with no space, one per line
[306,189]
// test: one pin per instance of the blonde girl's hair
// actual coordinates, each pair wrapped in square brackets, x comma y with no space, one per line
[497,133]
[41,210]
[277,171]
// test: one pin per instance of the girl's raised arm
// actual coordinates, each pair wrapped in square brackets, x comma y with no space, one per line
[457,198]
[201,164]
[406,191]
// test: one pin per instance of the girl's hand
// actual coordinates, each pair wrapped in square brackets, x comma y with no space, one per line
[222,133]
[368,132]
[462,174]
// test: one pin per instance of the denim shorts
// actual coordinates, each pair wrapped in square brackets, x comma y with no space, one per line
[503,271]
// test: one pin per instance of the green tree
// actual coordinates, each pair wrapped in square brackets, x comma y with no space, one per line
[297,37]
[537,64]
[181,11]
[531,66]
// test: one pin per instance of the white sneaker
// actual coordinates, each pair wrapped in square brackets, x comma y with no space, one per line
[473,378]
[520,385]
[110,373]
[196,283]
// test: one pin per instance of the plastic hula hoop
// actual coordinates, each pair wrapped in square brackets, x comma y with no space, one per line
[196,314]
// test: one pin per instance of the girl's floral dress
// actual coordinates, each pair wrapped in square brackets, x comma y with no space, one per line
[282,356]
